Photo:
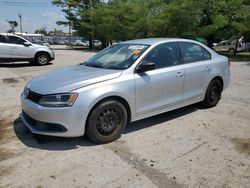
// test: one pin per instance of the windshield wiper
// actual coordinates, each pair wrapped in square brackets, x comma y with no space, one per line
[95,65]
[91,65]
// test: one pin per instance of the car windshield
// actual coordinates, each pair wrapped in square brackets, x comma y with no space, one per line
[119,56]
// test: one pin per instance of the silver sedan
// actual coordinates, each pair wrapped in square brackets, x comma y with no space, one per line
[123,83]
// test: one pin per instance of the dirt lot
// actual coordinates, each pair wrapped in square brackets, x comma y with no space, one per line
[189,147]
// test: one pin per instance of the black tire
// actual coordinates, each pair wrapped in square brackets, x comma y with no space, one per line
[42,59]
[213,94]
[106,122]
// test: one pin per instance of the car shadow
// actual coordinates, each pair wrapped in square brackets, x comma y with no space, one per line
[47,142]
[18,65]
[161,118]
[58,143]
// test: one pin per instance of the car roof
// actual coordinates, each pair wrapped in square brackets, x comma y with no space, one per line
[8,34]
[152,41]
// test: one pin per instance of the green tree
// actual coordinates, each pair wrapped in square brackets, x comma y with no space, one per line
[41,31]
[111,20]
[72,10]
[221,19]
[13,24]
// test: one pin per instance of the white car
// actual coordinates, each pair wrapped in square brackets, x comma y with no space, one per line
[85,43]
[228,46]
[78,43]
[16,48]
[97,43]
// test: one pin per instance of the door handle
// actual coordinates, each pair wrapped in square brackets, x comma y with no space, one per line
[207,68]
[179,74]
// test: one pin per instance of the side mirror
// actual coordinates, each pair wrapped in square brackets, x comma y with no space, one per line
[145,66]
[27,44]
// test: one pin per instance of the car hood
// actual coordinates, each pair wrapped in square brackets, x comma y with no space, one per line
[70,78]
[41,46]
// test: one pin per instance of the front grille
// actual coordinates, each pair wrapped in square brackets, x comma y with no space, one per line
[35,97]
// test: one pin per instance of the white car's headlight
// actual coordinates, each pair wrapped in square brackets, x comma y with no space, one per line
[58,100]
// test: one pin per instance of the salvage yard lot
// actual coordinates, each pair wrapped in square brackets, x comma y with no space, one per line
[189,147]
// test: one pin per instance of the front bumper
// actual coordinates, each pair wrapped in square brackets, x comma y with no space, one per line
[63,122]
[52,55]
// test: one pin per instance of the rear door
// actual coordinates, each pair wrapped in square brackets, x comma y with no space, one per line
[18,49]
[160,89]
[197,64]
[5,51]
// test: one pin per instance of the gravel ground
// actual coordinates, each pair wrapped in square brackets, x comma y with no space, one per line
[189,147]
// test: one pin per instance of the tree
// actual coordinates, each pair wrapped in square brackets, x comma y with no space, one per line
[72,10]
[221,19]
[41,31]
[213,20]
[55,32]
[13,24]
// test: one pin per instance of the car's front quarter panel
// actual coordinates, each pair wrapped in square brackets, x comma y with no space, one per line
[123,87]
[46,49]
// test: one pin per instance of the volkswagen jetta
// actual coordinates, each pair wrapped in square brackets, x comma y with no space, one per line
[123,83]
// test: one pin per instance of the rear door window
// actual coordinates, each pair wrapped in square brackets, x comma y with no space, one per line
[192,52]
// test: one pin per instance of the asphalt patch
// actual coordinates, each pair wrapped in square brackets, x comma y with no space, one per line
[10,80]
[5,136]
[5,154]
[160,179]
[242,145]
[5,171]
[4,130]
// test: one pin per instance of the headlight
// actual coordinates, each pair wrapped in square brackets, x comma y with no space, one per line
[58,100]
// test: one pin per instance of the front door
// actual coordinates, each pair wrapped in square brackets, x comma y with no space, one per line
[159,89]
[18,49]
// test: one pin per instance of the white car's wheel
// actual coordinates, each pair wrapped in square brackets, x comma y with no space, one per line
[42,59]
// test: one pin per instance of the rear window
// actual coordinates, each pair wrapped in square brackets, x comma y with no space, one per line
[192,52]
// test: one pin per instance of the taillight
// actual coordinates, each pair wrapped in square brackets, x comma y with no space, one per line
[229,62]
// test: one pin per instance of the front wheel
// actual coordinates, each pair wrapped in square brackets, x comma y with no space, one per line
[213,94]
[106,122]
[42,59]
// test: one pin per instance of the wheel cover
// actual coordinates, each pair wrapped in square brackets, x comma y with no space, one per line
[108,121]
[42,59]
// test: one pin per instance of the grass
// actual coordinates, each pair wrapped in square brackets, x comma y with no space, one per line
[240,56]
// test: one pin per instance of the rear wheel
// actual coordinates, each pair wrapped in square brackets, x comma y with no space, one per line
[213,93]
[42,59]
[106,122]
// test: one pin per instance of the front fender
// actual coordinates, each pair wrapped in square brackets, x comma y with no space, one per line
[89,96]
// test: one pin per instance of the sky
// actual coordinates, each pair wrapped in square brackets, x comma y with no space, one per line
[35,14]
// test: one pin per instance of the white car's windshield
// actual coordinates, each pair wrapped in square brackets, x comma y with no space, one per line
[119,56]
